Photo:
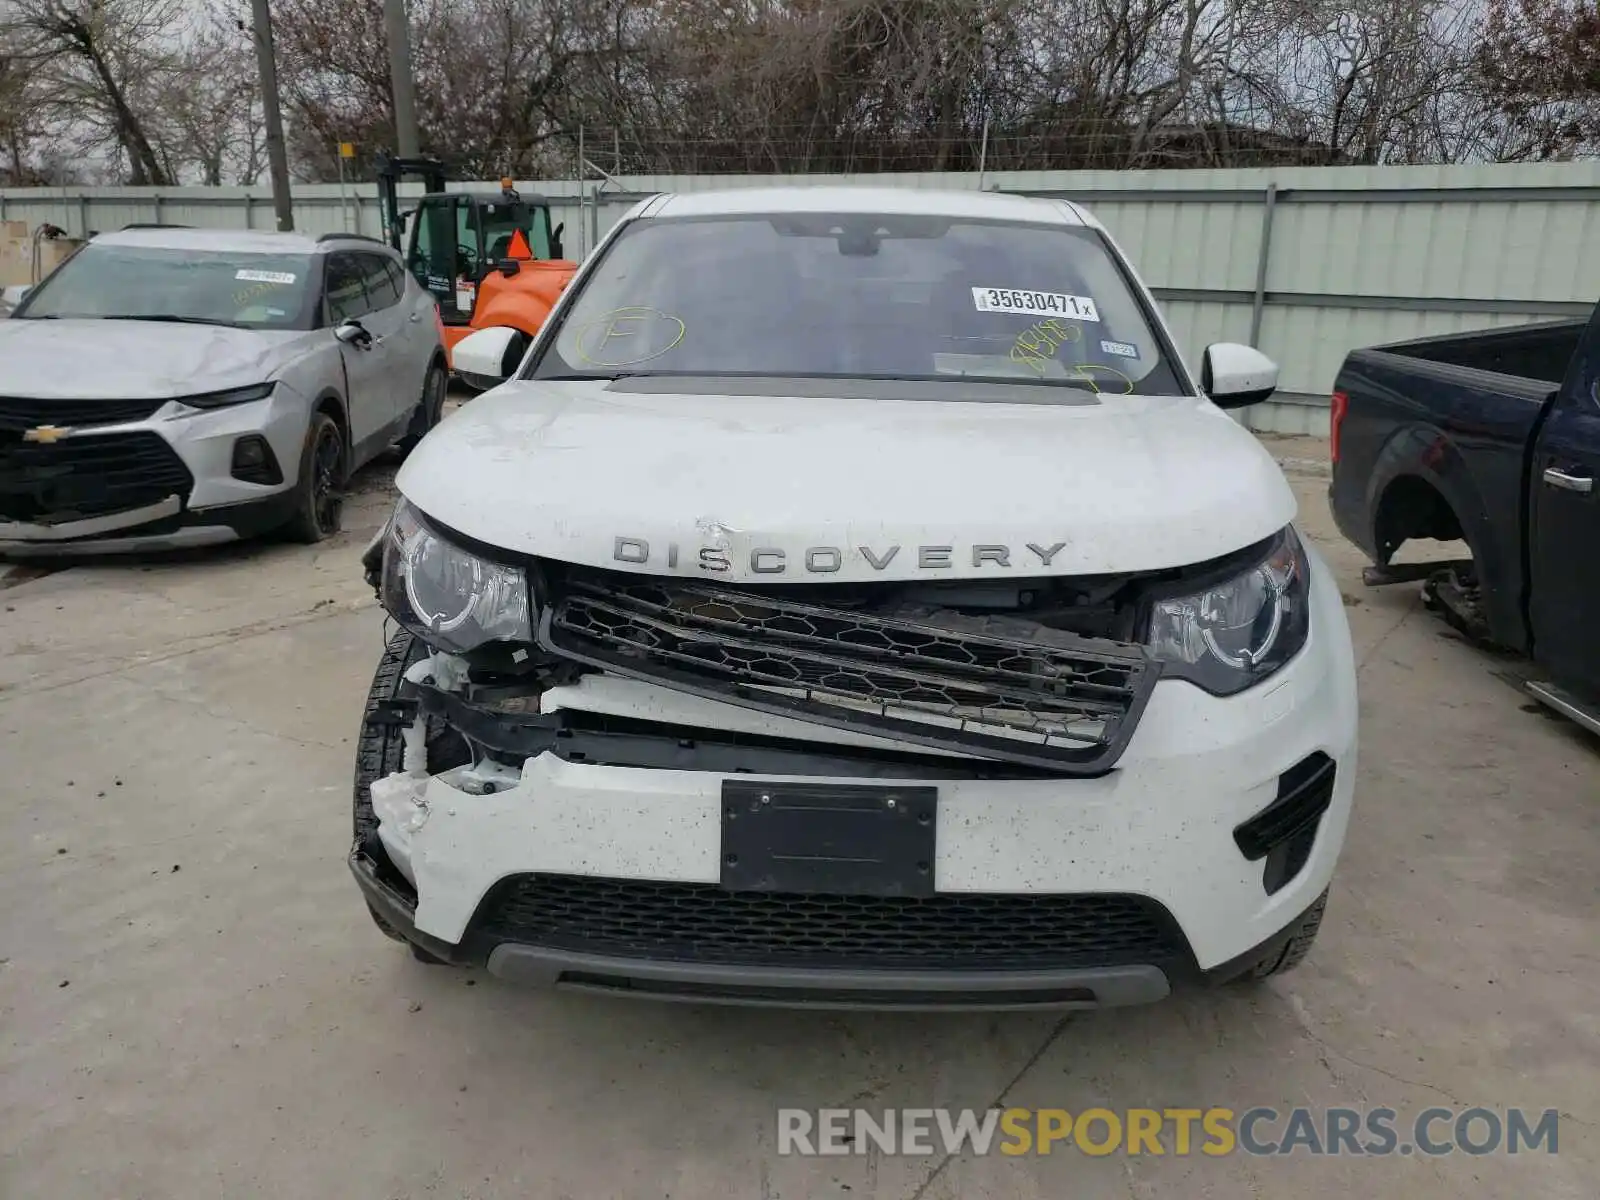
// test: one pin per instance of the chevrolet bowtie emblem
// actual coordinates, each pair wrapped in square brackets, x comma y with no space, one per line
[45,435]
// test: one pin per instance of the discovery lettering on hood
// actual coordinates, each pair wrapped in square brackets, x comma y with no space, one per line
[828,560]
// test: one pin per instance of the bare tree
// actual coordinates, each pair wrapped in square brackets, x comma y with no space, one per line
[211,125]
[1362,80]
[1539,66]
[93,60]
[18,124]
[810,85]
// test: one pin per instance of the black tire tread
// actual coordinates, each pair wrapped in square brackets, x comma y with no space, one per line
[421,419]
[1294,951]
[380,749]
[303,526]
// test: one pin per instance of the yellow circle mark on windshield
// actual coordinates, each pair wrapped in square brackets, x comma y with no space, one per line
[1103,380]
[625,337]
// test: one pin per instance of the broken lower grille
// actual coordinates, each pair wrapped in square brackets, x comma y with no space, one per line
[90,476]
[994,686]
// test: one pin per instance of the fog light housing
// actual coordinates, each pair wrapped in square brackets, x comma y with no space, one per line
[1285,831]
[254,462]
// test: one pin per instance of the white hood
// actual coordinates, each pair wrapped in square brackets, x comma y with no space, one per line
[120,360]
[823,490]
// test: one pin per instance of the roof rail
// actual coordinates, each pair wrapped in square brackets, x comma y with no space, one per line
[154,225]
[350,237]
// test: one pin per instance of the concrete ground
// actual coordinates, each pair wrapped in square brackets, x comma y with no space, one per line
[194,1003]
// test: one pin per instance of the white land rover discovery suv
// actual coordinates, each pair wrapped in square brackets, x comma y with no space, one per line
[851,598]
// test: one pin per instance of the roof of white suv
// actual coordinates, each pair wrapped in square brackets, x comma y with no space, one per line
[246,241]
[837,199]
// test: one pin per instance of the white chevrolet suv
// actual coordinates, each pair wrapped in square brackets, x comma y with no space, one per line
[852,599]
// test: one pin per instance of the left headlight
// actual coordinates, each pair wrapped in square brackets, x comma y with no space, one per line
[452,598]
[1242,629]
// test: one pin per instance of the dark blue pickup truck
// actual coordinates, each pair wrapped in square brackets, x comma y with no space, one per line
[1492,438]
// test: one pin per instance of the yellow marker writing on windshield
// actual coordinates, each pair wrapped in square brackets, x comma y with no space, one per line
[625,337]
[1037,345]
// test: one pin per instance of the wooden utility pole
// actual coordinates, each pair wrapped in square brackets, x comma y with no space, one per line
[400,81]
[277,153]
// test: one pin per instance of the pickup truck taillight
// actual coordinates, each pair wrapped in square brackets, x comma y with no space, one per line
[1337,407]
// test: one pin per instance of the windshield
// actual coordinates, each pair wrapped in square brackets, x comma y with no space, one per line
[862,296]
[230,287]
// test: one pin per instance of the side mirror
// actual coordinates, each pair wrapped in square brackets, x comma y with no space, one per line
[353,333]
[481,357]
[555,241]
[1237,376]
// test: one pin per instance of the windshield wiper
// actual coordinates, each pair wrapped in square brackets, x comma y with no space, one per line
[172,318]
[609,376]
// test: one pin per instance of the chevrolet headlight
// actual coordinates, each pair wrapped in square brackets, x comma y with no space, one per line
[1240,630]
[453,599]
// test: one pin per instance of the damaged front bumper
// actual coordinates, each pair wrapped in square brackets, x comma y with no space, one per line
[591,854]
[586,840]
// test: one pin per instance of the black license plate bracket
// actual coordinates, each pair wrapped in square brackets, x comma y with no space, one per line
[839,839]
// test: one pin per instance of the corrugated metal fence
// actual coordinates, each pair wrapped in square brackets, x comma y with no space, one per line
[1304,262]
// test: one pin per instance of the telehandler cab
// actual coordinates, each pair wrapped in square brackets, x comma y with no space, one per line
[489,258]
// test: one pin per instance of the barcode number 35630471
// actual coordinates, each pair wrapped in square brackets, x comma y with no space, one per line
[1014,300]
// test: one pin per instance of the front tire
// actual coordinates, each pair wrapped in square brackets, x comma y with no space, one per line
[430,408]
[1293,952]
[380,751]
[319,496]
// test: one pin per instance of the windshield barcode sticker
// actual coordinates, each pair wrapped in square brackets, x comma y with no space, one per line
[1013,300]
[264,276]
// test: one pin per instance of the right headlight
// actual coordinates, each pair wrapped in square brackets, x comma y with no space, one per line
[1238,631]
[242,395]
[454,599]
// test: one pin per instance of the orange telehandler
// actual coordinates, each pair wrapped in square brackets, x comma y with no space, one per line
[488,258]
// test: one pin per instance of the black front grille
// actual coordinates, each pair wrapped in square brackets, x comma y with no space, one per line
[79,476]
[18,413]
[692,922]
[999,686]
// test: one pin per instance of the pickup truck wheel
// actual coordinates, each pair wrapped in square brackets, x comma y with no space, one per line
[430,407]
[319,496]
[380,751]
[1293,952]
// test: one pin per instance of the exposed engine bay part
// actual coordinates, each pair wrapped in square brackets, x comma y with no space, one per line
[447,672]
[1002,687]
[995,671]
[611,695]
[510,737]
